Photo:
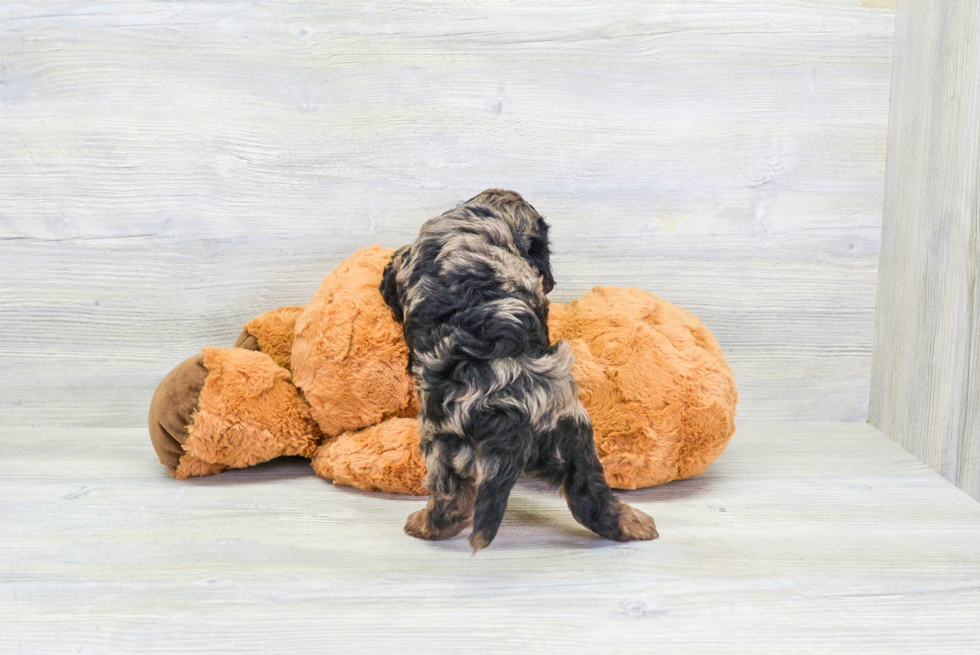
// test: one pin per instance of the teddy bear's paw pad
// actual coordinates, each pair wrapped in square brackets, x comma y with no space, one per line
[174,403]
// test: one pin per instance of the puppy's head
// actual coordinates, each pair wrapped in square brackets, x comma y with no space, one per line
[389,284]
[529,228]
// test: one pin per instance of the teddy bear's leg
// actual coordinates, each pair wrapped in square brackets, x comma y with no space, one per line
[228,408]
[383,457]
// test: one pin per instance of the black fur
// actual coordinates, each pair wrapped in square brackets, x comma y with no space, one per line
[496,399]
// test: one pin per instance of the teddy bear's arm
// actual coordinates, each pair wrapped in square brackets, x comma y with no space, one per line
[383,457]
[272,333]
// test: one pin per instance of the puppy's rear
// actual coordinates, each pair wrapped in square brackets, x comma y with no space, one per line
[495,398]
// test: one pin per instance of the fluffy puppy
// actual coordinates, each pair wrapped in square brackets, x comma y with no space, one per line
[496,398]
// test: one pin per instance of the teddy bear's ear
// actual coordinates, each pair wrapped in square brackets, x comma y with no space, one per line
[389,285]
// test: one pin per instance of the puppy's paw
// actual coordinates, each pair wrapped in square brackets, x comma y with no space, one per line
[418,525]
[478,541]
[635,525]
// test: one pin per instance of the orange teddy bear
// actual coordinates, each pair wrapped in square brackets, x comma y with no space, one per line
[329,381]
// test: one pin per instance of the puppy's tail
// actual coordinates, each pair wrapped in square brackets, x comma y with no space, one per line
[491,501]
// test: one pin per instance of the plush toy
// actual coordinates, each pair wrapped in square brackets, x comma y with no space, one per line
[329,381]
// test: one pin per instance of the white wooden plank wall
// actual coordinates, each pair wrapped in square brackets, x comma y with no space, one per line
[168,170]
[926,386]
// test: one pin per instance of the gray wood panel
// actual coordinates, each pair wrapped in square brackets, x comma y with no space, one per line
[926,385]
[799,538]
[169,170]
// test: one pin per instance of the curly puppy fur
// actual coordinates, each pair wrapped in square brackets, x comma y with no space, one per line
[495,398]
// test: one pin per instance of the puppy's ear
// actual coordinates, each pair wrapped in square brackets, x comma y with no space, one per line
[539,254]
[389,285]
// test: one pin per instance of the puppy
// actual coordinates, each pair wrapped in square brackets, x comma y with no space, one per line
[496,399]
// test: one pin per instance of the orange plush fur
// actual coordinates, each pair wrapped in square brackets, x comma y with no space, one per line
[654,381]
[383,457]
[652,377]
[349,357]
[275,333]
[249,413]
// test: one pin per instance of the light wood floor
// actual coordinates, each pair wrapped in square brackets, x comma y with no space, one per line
[816,538]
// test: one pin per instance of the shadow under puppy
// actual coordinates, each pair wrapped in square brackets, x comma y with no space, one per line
[495,398]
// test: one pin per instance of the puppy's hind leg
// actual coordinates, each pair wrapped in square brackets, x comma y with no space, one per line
[497,472]
[568,457]
[452,492]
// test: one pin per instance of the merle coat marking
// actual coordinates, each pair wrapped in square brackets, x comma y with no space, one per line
[496,398]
